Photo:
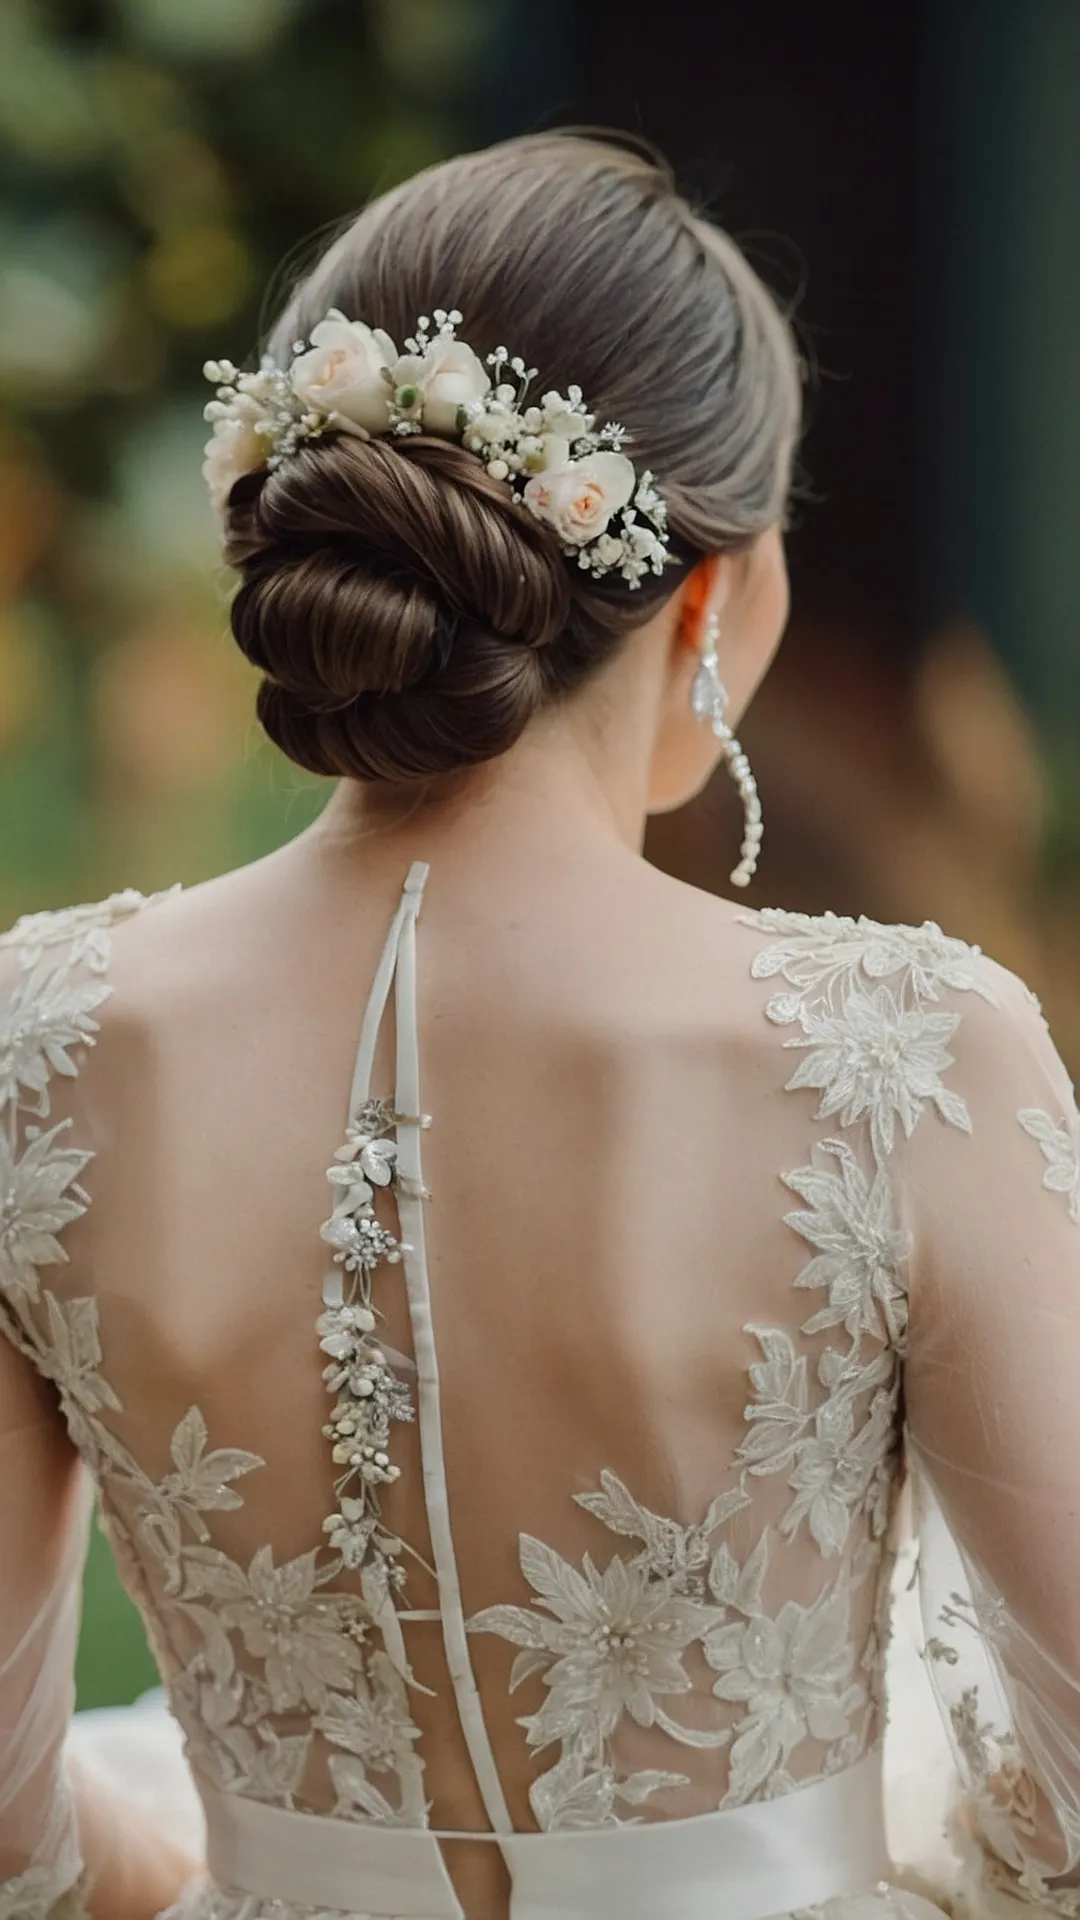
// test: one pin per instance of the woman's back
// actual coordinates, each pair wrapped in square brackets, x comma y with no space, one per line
[603,1168]
[668,1305]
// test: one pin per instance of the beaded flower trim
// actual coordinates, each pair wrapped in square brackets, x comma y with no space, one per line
[368,1394]
[350,378]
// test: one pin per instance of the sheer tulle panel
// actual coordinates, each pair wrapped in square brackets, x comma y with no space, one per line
[44,1512]
[995,1429]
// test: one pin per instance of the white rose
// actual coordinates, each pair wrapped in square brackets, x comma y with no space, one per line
[344,374]
[580,498]
[446,378]
[234,448]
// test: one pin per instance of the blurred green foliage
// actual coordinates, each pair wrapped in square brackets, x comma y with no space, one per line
[159,161]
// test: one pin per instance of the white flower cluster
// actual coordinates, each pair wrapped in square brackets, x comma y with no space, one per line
[351,378]
[368,1393]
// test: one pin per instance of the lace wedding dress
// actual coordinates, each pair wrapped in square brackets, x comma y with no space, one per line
[564,1559]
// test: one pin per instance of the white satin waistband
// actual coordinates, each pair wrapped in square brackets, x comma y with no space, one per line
[748,1863]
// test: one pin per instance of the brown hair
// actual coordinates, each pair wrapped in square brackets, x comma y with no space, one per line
[409,616]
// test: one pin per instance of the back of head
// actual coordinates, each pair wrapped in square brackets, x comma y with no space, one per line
[409,615]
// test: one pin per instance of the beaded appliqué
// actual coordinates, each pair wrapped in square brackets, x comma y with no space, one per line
[369,1395]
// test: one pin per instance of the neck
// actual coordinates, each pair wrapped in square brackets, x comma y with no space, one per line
[578,777]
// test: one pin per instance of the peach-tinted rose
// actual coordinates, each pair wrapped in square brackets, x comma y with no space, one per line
[345,374]
[579,498]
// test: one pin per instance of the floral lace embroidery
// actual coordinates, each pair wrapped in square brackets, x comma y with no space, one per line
[611,1643]
[41,1196]
[864,999]
[861,1250]
[86,932]
[873,1051]
[607,1644]
[840,1455]
[240,1646]
[794,1675]
[1061,1150]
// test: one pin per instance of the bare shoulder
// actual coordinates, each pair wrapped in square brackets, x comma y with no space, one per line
[142,940]
[801,968]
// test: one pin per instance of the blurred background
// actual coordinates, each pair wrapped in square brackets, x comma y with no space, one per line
[908,176]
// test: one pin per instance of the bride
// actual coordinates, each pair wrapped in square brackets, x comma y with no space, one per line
[523,1545]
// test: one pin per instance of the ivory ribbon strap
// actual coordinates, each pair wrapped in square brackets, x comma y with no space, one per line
[749,1863]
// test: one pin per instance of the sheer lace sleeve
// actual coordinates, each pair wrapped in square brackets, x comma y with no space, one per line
[44,1503]
[992,1388]
[45,1494]
[68,1846]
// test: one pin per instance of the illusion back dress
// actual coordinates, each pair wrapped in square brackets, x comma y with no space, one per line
[535,1558]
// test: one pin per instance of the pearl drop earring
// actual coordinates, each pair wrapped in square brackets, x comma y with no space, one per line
[708,698]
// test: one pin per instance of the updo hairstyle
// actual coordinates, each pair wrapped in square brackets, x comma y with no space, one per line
[409,616]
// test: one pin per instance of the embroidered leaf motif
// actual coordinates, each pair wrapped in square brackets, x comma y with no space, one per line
[302,1640]
[74,1354]
[572,1796]
[794,1676]
[86,931]
[562,1590]
[69,1355]
[516,1624]
[874,1051]
[636,1788]
[609,1643]
[820,952]
[875,1058]
[38,1198]
[357,1797]
[862,1251]
[372,1721]
[46,1012]
[778,1414]
[673,1552]
[1060,1146]
[740,1587]
[201,1481]
[529,1661]
[837,1465]
[270,1767]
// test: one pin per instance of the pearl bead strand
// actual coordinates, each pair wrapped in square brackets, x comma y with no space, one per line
[709,701]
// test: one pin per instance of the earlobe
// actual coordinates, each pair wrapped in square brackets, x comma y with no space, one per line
[705,594]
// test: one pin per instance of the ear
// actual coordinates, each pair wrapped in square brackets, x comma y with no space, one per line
[704,593]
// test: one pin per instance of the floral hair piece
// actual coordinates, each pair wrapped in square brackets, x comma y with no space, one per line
[350,378]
